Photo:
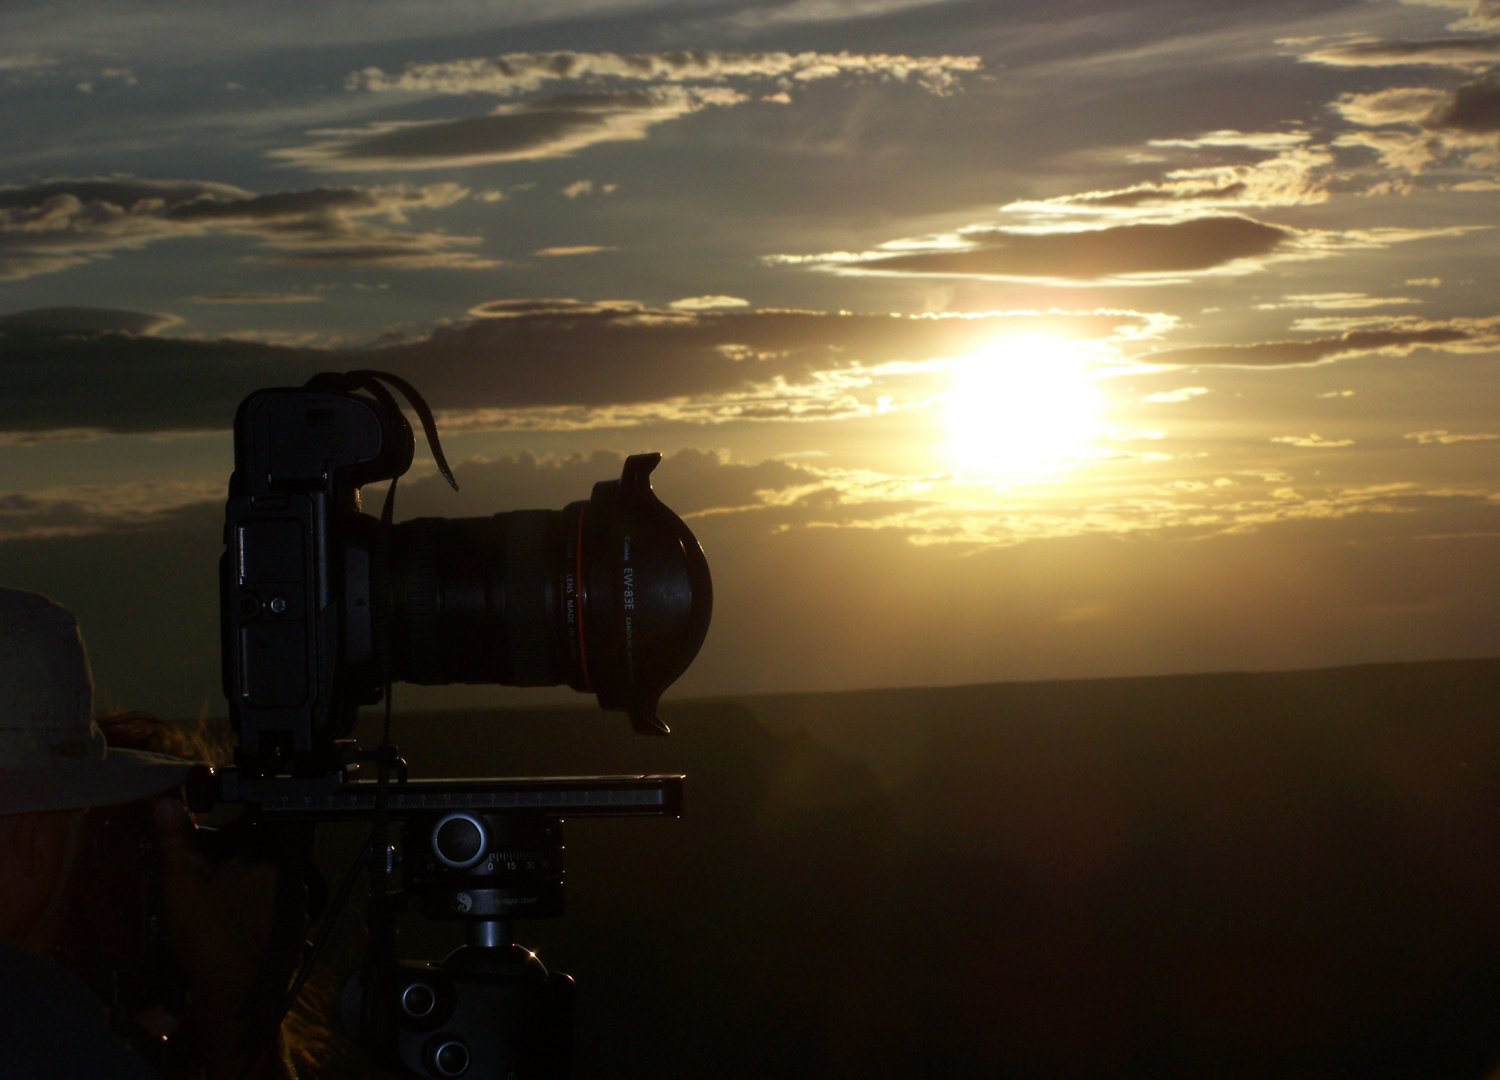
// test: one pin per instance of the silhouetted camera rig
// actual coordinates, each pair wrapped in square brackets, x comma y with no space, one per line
[323,607]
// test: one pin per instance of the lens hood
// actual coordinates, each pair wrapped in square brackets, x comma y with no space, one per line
[647,596]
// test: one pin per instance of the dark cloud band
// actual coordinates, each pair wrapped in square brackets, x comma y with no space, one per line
[547,128]
[524,355]
[1464,53]
[56,224]
[85,321]
[1192,246]
[1312,351]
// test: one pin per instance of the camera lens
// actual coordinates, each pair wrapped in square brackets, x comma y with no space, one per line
[611,596]
[476,601]
[459,841]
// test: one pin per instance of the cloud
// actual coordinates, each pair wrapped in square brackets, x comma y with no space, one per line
[55,224]
[1336,301]
[1425,128]
[1122,252]
[552,127]
[1228,138]
[1295,175]
[530,364]
[1475,53]
[563,252]
[1482,14]
[1399,152]
[82,510]
[25,62]
[1224,171]
[678,84]
[1312,442]
[32,438]
[1392,341]
[56,380]
[520,73]
[1393,105]
[1195,190]
[506,309]
[1175,397]
[413,254]
[258,298]
[87,321]
[586,187]
[707,303]
[1446,438]
[1473,109]
[1483,330]
[780,13]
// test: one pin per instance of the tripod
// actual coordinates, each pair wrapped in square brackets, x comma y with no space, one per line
[490,1009]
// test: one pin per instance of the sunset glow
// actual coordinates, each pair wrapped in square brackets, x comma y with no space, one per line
[1022,408]
[1122,339]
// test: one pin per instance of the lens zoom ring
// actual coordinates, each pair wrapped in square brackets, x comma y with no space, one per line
[422,656]
[526,608]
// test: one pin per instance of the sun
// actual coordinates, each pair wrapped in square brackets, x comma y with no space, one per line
[1024,407]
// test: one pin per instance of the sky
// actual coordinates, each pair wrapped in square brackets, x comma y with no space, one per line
[984,340]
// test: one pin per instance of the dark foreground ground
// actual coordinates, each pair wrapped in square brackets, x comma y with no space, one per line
[1221,876]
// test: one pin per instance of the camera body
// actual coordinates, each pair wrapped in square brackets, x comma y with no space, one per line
[296,604]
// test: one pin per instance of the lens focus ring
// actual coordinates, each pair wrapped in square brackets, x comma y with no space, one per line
[527,615]
[420,654]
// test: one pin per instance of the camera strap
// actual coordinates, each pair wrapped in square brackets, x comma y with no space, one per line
[373,383]
[380,952]
[380,940]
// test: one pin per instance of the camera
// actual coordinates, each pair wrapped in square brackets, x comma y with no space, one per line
[324,606]
[322,603]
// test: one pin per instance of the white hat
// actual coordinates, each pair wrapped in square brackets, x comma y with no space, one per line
[52,754]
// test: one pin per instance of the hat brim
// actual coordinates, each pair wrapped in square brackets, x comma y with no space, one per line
[123,776]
